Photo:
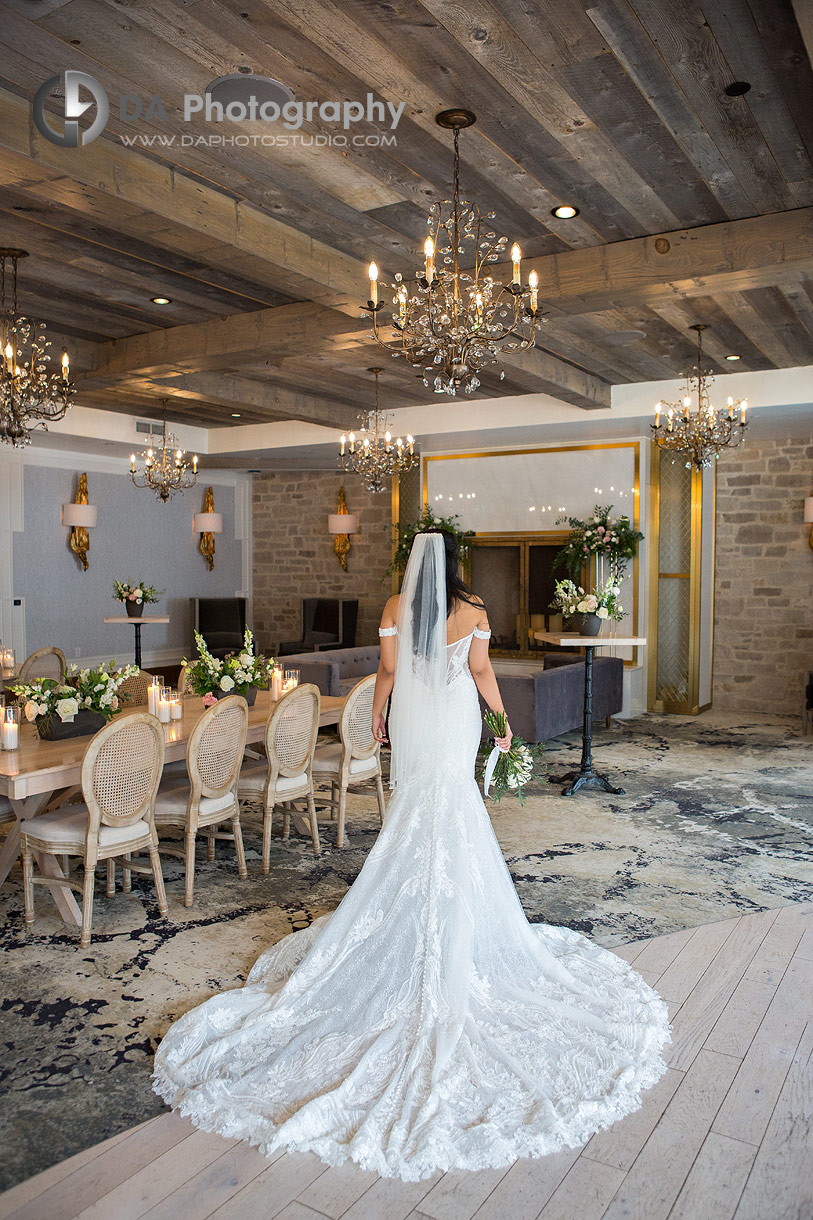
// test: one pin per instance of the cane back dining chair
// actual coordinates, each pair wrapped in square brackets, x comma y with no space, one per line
[208,797]
[133,690]
[355,758]
[44,663]
[121,770]
[290,739]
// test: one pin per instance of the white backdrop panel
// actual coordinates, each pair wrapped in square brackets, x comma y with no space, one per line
[526,491]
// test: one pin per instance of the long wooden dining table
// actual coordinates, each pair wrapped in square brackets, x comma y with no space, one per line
[32,775]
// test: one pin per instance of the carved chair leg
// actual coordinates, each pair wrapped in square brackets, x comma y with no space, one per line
[158,876]
[189,889]
[382,806]
[286,820]
[317,847]
[111,878]
[87,906]
[340,817]
[126,874]
[28,886]
[268,815]
[238,845]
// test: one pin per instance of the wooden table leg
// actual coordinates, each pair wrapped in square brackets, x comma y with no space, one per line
[49,866]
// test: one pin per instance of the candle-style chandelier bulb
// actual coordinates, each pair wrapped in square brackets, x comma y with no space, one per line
[166,468]
[375,457]
[699,437]
[31,395]
[456,321]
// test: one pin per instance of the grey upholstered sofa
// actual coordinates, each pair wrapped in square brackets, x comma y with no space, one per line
[540,705]
[543,704]
[334,670]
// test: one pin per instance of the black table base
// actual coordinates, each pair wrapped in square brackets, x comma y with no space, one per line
[137,626]
[586,777]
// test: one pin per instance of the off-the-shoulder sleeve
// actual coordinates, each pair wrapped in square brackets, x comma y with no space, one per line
[387,630]
[482,635]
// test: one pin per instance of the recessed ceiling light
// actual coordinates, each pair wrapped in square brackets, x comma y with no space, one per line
[235,415]
[732,357]
[161,300]
[565,211]
[737,88]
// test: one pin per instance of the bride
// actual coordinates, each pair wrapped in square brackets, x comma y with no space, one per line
[425,1025]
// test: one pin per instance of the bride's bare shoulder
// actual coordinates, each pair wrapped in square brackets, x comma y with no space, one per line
[390,612]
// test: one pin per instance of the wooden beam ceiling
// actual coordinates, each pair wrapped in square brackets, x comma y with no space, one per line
[694,205]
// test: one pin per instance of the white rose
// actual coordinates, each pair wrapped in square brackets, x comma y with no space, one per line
[603,612]
[42,709]
[615,590]
[67,709]
[226,683]
[244,660]
[582,607]
[31,710]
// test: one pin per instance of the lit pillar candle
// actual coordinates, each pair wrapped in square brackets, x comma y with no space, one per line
[195,463]
[132,463]
[66,365]
[10,729]
[658,415]
[411,443]
[533,282]
[152,697]
[276,684]
[516,255]
[373,273]
[164,705]
[429,256]
[743,405]
[730,402]
[342,442]
[176,708]
[687,402]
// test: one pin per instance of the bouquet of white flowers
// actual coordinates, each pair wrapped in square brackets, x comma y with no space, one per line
[572,599]
[507,770]
[84,690]
[236,674]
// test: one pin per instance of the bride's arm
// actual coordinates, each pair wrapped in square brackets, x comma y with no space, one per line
[385,677]
[485,679]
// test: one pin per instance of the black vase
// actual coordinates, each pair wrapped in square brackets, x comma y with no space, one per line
[249,696]
[84,724]
[590,624]
[134,609]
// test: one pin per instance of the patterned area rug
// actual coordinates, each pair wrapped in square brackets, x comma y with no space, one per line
[717,820]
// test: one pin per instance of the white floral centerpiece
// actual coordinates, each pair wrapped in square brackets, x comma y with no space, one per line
[84,702]
[602,604]
[240,673]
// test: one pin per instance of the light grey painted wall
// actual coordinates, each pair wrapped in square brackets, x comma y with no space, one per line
[137,538]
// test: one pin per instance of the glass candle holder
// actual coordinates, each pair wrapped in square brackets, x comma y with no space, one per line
[10,728]
[291,679]
[164,704]
[176,705]
[153,691]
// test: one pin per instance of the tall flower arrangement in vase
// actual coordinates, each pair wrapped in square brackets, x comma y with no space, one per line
[605,543]
[240,673]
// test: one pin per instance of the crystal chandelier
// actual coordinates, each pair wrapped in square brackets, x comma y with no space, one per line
[166,469]
[453,323]
[31,395]
[373,453]
[693,428]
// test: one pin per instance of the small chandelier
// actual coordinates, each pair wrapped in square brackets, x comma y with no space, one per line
[373,453]
[453,323]
[693,427]
[31,396]
[166,469]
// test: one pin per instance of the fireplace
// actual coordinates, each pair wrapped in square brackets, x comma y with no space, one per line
[513,573]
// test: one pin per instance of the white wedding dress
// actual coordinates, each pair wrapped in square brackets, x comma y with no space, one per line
[424,1025]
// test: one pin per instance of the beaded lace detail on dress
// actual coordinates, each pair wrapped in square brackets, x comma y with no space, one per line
[425,1025]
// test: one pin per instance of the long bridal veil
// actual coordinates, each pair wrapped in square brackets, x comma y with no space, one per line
[420,668]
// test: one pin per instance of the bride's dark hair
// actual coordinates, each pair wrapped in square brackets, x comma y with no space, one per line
[456,590]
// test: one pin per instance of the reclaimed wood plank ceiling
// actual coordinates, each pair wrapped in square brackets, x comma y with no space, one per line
[618,107]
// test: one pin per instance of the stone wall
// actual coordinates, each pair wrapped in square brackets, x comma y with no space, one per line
[763,622]
[294,557]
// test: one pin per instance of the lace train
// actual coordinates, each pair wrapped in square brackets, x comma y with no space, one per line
[424,1025]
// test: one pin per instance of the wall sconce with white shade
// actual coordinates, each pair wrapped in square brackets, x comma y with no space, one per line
[207,524]
[341,525]
[81,517]
[809,518]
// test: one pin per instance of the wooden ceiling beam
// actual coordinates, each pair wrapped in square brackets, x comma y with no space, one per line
[759,252]
[541,372]
[298,264]
[273,402]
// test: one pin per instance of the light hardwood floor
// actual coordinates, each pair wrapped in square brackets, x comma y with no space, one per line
[725,1135]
